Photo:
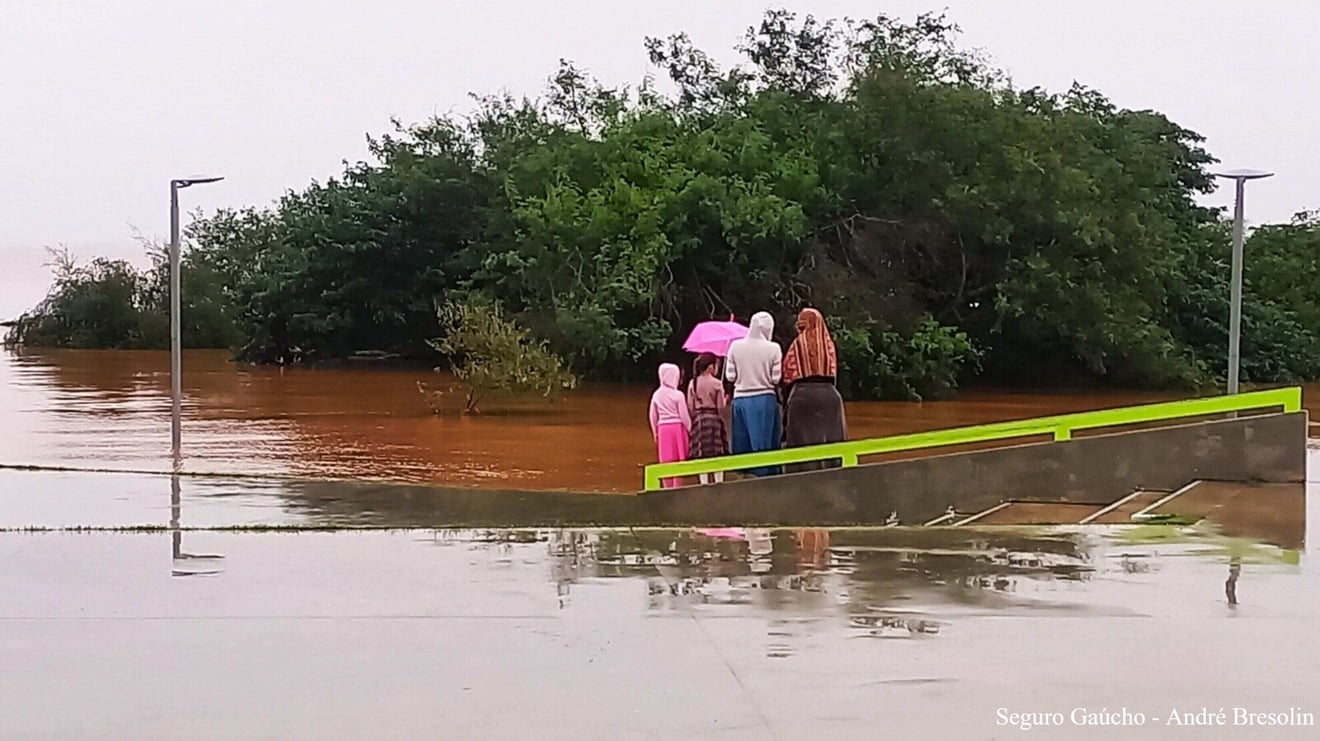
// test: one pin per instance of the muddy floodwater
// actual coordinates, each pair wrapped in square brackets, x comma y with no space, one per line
[110,409]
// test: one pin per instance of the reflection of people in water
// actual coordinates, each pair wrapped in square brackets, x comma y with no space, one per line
[813,547]
[759,541]
[760,544]
[1230,586]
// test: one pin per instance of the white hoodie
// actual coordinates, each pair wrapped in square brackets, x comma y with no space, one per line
[753,365]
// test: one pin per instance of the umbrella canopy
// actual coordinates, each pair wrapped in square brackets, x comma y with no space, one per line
[714,337]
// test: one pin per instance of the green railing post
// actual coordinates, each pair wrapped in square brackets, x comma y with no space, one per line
[1292,399]
[1062,433]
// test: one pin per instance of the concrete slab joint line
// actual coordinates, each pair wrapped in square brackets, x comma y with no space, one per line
[1145,513]
[763,719]
[1110,508]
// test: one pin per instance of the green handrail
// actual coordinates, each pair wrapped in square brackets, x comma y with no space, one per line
[1060,426]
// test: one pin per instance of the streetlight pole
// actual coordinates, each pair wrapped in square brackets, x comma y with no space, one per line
[1240,178]
[176,304]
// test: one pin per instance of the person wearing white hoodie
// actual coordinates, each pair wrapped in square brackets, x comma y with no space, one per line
[753,366]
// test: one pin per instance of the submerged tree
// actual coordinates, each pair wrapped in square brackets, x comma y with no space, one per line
[491,355]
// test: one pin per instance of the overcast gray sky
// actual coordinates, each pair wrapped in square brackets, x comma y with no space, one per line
[103,101]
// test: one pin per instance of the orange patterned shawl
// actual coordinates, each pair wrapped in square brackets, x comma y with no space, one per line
[812,353]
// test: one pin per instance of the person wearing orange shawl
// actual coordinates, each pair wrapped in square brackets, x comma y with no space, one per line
[813,414]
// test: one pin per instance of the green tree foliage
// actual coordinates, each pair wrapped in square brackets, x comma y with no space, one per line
[354,263]
[1280,306]
[879,363]
[947,220]
[491,355]
[113,304]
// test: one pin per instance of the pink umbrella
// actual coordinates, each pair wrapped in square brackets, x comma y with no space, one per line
[714,337]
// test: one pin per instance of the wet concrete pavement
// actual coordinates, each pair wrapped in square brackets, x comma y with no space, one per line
[621,633]
[78,499]
[646,633]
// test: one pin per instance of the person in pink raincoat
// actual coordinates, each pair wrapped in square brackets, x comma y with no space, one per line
[670,419]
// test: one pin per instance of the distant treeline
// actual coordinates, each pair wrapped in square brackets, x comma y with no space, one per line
[948,223]
[113,304]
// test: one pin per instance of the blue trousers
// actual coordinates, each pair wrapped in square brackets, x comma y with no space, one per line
[756,427]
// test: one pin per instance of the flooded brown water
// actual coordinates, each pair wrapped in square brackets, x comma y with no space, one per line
[110,409]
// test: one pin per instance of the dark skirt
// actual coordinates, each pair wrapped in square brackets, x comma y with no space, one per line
[813,416]
[709,438]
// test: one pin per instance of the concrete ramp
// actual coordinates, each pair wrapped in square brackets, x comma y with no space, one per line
[1275,512]
[1093,472]
[1269,512]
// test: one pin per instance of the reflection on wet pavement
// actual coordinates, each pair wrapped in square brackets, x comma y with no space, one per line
[1230,586]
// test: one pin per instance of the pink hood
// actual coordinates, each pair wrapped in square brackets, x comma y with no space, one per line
[670,375]
[668,404]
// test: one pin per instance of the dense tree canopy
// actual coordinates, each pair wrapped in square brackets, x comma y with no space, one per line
[946,221]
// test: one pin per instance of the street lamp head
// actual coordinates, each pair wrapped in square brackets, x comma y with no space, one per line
[185,182]
[1242,174]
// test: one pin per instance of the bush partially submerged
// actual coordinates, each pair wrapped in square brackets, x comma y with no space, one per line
[489,354]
